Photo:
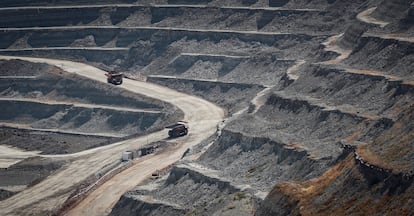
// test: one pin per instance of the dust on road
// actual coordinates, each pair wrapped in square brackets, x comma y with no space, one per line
[50,194]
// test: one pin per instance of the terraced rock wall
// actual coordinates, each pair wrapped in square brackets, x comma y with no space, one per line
[200,194]
[394,57]
[68,113]
[259,162]
[11,3]
[390,10]
[130,206]
[233,96]
[324,89]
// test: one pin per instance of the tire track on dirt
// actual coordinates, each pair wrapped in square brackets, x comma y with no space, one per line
[50,194]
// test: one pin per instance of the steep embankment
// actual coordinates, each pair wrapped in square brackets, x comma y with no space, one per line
[233,97]
[331,128]
[214,195]
[343,190]
[374,174]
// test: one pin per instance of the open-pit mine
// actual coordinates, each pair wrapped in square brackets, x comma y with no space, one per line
[206,107]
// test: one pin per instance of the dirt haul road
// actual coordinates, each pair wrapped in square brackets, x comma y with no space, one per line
[50,194]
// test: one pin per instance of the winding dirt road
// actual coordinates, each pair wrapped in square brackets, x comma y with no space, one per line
[364,16]
[50,194]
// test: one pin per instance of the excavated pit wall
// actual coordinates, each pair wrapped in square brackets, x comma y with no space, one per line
[218,18]
[229,69]
[150,47]
[23,68]
[279,98]
[214,195]
[73,88]
[77,119]
[362,187]
[22,3]
[330,16]
[231,96]
[50,142]
[406,22]
[365,93]
[391,10]
[52,84]
[297,122]
[365,187]
[46,17]
[26,173]
[391,56]
[126,37]
[258,161]
[128,205]
[165,46]
[352,35]
[223,65]
[107,57]
[12,176]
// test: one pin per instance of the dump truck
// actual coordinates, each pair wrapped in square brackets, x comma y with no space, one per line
[114,78]
[178,129]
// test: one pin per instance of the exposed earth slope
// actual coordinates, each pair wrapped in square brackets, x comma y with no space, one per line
[316,97]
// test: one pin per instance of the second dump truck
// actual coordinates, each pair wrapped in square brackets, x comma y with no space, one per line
[178,129]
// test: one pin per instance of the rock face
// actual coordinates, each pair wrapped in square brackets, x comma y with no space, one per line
[128,205]
[319,96]
[61,113]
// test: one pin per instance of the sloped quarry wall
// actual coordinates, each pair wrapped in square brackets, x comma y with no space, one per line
[107,57]
[9,37]
[277,3]
[128,205]
[41,17]
[350,188]
[390,10]
[50,101]
[151,44]
[20,3]
[28,172]
[64,38]
[260,69]
[191,192]
[389,182]
[4,194]
[78,89]
[50,142]
[299,123]
[352,35]
[406,23]
[188,182]
[178,173]
[78,119]
[21,68]
[365,92]
[259,162]
[184,62]
[188,2]
[394,57]
[233,96]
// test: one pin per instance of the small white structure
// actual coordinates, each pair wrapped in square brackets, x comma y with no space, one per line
[127,155]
